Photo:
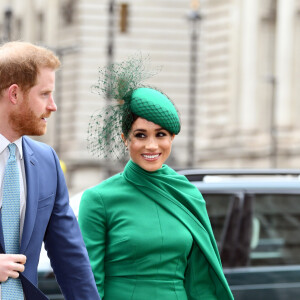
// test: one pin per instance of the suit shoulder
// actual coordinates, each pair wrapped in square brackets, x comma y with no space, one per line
[36,145]
[44,154]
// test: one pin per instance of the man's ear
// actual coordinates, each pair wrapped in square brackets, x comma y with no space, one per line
[13,93]
[124,139]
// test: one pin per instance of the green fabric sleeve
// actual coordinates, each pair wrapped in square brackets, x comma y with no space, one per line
[92,222]
[198,283]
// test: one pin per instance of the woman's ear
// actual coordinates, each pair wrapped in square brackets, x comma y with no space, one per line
[124,139]
[172,137]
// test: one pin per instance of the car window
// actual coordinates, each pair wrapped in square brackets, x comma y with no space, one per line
[276,230]
[218,206]
[256,229]
[224,211]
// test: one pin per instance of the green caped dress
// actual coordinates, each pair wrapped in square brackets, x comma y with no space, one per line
[149,237]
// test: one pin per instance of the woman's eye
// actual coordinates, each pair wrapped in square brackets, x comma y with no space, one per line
[139,135]
[161,134]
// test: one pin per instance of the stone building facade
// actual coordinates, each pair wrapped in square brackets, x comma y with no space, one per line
[244,103]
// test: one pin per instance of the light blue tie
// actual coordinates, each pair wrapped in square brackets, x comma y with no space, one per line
[12,288]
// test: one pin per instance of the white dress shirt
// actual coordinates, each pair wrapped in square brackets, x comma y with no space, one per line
[4,154]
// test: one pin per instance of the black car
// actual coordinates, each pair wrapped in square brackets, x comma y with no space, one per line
[255,215]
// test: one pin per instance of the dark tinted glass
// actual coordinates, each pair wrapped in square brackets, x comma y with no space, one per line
[218,208]
[264,232]
[276,230]
[231,219]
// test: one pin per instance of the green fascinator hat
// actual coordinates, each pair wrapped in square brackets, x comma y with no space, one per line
[156,107]
[127,97]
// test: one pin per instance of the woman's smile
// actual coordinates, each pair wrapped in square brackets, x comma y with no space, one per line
[151,157]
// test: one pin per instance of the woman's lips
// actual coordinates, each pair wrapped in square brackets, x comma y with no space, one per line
[151,156]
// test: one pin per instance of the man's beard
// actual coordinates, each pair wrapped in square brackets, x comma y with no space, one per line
[25,122]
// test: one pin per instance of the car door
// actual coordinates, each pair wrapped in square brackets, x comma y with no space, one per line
[258,236]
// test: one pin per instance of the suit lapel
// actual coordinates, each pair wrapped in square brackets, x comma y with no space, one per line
[32,176]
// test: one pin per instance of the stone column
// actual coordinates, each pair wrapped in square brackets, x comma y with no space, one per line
[248,69]
[51,22]
[284,61]
[29,20]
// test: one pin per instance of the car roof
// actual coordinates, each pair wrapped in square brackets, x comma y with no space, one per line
[262,187]
[268,181]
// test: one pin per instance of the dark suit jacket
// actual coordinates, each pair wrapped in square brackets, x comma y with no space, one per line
[49,218]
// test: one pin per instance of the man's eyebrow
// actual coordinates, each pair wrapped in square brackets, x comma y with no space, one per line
[47,91]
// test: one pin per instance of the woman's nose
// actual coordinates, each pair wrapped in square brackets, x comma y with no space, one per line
[151,144]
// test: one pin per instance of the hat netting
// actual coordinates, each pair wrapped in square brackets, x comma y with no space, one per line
[115,83]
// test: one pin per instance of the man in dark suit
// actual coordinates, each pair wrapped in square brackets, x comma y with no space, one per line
[27,81]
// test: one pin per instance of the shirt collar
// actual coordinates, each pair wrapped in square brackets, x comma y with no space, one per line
[4,142]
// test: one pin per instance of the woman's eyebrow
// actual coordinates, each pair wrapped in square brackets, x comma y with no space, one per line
[143,130]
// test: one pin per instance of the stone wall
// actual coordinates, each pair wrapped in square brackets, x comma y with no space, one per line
[247,106]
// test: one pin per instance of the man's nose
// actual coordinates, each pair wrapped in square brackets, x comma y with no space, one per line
[51,104]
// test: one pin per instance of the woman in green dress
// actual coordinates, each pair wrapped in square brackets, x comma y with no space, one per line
[146,229]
